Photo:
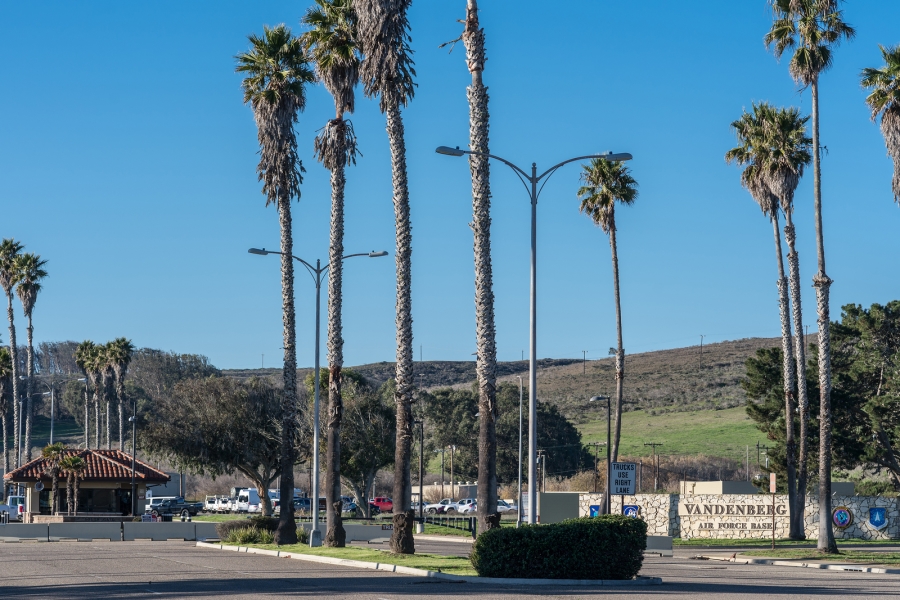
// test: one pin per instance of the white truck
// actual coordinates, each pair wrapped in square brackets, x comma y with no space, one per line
[247,501]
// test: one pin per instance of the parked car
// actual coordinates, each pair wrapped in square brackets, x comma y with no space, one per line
[210,503]
[15,506]
[382,503]
[457,507]
[438,508]
[247,501]
[176,506]
[155,501]
[468,509]
[504,507]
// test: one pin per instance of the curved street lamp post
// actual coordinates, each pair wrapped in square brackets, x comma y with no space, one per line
[318,274]
[531,185]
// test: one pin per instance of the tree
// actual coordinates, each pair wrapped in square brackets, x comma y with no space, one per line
[775,149]
[5,401]
[277,69]
[53,454]
[387,72]
[73,466]
[884,100]
[218,425]
[84,358]
[811,28]
[31,272]
[605,184]
[120,350]
[10,249]
[332,46]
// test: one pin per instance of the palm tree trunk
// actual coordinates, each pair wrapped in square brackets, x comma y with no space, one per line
[69,505]
[120,399]
[799,507]
[335,536]
[14,375]
[87,418]
[108,440]
[822,283]
[485,333]
[790,384]
[286,533]
[29,389]
[76,492]
[5,446]
[620,350]
[96,420]
[54,508]
[401,537]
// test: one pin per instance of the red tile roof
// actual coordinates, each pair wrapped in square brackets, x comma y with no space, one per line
[102,465]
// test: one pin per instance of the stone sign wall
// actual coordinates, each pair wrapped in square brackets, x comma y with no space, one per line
[743,516]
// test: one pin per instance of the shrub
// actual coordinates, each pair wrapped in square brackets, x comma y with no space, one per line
[249,535]
[262,523]
[302,536]
[605,547]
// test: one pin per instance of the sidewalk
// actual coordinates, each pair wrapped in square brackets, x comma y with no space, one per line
[827,564]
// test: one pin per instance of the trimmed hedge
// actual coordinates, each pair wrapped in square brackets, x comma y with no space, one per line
[262,523]
[605,547]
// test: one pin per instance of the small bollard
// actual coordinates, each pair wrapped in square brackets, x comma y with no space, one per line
[182,518]
[189,518]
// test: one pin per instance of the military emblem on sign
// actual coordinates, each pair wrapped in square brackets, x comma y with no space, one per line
[631,511]
[878,518]
[594,510]
[841,517]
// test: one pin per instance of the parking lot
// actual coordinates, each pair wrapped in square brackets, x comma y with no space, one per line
[181,570]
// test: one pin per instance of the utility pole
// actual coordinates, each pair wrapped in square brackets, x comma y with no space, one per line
[584,362]
[452,484]
[596,446]
[656,462]
[701,351]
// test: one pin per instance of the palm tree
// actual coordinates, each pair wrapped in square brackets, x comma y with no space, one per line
[73,466]
[83,358]
[31,272]
[485,333]
[884,100]
[53,454]
[605,184]
[277,69]
[332,46]
[9,276]
[811,28]
[121,349]
[106,362]
[387,73]
[5,401]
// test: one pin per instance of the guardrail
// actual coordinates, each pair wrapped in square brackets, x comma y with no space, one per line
[469,524]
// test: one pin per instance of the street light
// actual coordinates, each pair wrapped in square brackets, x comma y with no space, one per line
[318,275]
[133,420]
[606,507]
[51,386]
[533,193]
[519,497]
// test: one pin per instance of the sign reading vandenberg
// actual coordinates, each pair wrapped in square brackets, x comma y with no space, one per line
[622,475]
[747,515]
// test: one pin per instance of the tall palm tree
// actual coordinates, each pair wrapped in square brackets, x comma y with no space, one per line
[107,375]
[884,100]
[811,28]
[277,70]
[755,150]
[9,276]
[121,350]
[387,73]
[789,147]
[605,184]
[332,46]
[31,272]
[53,454]
[485,332]
[5,401]
[83,358]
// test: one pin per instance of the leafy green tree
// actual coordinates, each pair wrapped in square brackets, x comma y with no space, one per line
[884,100]
[10,250]
[605,184]
[31,272]
[120,352]
[277,70]
[218,425]
[332,46]
[387,73]
[811,29]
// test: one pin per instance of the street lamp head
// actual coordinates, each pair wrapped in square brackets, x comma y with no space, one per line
[45,394]
[261,251]
[131,419]
[450,151]
[374,254]
[616,156]
[599,398]
[82,379]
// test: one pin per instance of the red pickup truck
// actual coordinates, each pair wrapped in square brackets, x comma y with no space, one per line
[382,503]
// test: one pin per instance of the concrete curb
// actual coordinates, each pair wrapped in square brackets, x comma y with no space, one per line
[803,565]
[433,574]
[443,538]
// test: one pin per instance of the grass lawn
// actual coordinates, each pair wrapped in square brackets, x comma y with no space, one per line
[856,556]
[712,432]
[454,565]
[217,518]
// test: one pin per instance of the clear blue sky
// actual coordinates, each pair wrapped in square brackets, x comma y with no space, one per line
[128,161]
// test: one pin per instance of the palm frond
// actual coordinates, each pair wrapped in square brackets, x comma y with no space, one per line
[605,183]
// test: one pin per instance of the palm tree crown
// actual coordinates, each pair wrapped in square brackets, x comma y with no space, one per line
[388,69]
[331,43]
[884,100]
[277,69]
[605,183]
[31,271]
[811,28]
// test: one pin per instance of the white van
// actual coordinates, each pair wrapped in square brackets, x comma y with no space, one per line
[247,501]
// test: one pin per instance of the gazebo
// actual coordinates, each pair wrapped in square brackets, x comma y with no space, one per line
[104,487]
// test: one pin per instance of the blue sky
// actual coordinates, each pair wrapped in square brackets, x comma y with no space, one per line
[128,161]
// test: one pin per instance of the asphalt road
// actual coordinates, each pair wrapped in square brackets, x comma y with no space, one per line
[181,570]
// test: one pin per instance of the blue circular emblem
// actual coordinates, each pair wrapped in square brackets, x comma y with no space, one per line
[631,511]
[841,517]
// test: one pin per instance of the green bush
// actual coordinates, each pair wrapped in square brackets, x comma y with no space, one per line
[302,536]
[605,547]
[262,523]
[249,535]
